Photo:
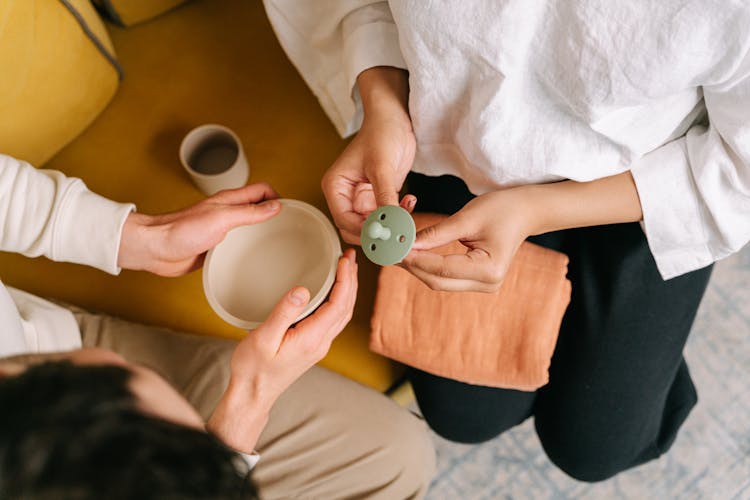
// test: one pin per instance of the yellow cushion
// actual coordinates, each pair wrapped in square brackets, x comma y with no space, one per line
[210,61]
[55,79]
[130,12]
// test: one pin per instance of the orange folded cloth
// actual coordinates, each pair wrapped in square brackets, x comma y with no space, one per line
[503,339]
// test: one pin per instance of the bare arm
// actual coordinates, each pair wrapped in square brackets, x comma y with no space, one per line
[492,227]
[372,169]
[570,204]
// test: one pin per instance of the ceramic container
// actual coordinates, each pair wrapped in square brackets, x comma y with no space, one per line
[213,157]
[245,275]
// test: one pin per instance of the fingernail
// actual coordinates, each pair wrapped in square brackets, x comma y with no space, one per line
[297,297]
[270,205]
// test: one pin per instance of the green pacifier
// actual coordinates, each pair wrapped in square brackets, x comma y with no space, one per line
[387,235]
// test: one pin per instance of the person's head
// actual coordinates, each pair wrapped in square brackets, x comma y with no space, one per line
[86,424]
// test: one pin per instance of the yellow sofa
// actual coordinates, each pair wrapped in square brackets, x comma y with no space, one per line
[206,61]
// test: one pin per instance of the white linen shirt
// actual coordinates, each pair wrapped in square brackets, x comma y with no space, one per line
[511,92]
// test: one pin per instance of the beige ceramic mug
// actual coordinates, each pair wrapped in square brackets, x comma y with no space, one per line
[213,157]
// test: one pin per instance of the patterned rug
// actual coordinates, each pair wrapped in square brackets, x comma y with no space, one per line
[710,459]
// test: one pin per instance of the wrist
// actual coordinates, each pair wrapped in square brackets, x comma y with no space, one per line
[134,250]
[239,418]
[536,207]
[385,93]
[519,209]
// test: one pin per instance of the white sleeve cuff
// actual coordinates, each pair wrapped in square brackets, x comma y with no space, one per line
[671,208]
[251,459]
[368,46]
[331,43]
[89,228]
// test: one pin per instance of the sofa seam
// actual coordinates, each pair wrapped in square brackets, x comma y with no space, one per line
[94,39]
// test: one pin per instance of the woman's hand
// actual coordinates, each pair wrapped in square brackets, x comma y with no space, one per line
[371,170]
[369,173]
[176,243]
[491,226]
[276,354]
[494,225]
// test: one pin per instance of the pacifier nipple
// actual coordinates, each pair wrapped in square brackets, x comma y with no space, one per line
[378,231]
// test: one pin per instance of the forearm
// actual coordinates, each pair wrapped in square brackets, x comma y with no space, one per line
[239,419]
[43,212]
[569,204]
[385,92]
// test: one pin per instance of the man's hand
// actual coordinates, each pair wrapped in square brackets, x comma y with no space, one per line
[371,170]
[176,243]
[276,354]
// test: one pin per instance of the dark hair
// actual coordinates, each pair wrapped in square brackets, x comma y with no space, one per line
[74,432]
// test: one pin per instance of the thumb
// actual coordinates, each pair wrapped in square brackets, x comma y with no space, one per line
[442,233]
[284,314]
[384,186]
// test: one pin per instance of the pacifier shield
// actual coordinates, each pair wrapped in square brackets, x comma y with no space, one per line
[388,235]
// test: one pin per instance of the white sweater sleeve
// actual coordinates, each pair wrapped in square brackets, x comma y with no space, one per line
[705,177]
[42,212]
[331,42]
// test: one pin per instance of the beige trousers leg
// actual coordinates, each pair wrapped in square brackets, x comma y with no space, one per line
[327,437]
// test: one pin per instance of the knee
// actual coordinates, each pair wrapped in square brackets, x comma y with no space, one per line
[468,413]
[469,430]
[463,422]
[411,447]
[583,457]
[590,468]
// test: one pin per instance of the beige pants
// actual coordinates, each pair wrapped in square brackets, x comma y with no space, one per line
[327,437]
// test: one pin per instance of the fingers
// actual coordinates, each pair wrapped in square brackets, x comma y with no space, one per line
[251,193]
[330,318]
[349,223]
[364,207]
[349,288]
[408,203]
[444,232]
[243,215]
[364,198]
[339,194]
[241,207]
[452,285]
[351,238]
[284,313]
[475,265]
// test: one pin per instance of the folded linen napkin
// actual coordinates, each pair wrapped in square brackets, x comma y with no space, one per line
[502,339]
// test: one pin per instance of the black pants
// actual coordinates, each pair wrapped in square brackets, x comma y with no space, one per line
[619,387]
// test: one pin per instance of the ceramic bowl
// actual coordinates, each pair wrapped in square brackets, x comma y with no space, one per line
[246,274]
